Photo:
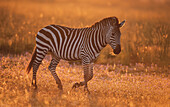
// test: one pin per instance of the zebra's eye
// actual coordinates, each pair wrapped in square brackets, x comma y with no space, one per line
[113,33]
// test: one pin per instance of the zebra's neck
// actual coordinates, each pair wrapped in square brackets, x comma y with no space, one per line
[97,39]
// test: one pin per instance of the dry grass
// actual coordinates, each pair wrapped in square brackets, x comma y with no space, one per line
[133,78]
[145,37]
[115,85]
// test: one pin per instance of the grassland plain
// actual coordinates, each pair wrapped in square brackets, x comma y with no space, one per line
[138,76]
[113,85]
[145,37]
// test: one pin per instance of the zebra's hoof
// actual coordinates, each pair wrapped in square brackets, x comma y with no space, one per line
[34,87]
[60,87]
[86,90]
[76,85]
[34,84]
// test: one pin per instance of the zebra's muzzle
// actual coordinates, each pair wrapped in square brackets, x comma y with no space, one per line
[117,50]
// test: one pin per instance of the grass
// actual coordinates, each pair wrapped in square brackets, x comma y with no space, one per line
[145,36]
[112,85]
[138,76]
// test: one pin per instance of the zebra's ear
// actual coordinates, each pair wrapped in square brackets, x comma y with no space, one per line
[122,23]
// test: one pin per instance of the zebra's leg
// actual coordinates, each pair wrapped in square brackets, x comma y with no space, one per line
[88,75]
[35,68]
[39,56]
[52,68]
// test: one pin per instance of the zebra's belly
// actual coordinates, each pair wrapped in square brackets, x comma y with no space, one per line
[70,59]
[69,56]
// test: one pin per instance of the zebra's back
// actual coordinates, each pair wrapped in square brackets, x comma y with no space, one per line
[63,42]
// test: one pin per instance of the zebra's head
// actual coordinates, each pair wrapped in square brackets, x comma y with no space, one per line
[113,35]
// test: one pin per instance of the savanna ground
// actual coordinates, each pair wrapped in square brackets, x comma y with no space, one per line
[138,76]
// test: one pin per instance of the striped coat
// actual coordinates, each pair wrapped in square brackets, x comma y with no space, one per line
[71,44]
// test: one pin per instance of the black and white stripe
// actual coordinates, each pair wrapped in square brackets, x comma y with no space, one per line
[75,44]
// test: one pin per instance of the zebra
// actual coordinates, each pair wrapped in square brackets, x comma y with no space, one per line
[73,44]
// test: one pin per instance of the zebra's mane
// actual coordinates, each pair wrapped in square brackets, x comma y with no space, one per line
[106,22]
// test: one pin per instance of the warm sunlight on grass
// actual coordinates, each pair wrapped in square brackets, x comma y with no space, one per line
[145,36]
[138,76]
[112,85]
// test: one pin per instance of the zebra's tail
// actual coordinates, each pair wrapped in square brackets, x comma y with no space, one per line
[32,60]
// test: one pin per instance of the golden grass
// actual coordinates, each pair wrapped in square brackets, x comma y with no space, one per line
[145,36]
[145,47]
[115,85]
